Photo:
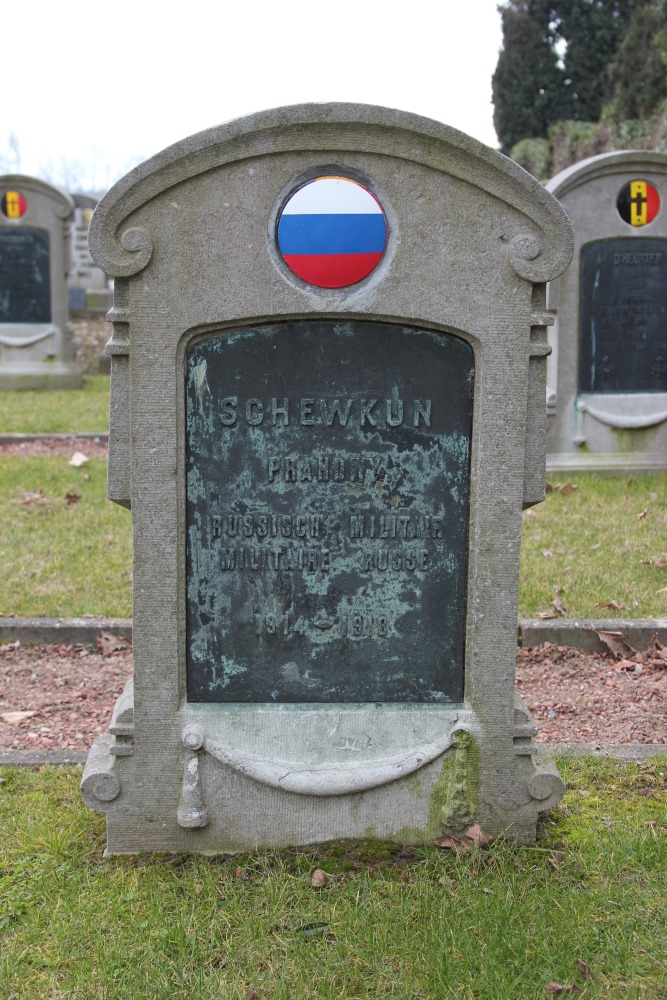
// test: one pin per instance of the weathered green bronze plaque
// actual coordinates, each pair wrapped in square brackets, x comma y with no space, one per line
[327,513]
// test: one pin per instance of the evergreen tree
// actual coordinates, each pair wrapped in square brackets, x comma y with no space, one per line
[637,76]
[528,83]
[591,31]
[565,59]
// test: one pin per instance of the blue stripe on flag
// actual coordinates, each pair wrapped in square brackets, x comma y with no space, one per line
[330,234]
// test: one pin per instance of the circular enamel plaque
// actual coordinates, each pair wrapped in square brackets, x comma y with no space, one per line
[638,203]
[332,232]
[13,204]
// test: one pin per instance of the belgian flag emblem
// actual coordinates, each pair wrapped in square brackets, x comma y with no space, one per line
[638,203]
[13,204]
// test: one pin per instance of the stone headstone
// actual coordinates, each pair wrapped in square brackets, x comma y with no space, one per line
[607,381]
[87,283]
[35,341]
[327,412]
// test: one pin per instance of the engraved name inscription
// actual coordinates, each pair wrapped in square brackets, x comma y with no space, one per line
[311,412]
[327,514]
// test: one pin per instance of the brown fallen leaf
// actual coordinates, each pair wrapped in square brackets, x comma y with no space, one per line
[27,498]
[642,514]
[567,488]
[546,615]
[612,604]
[583,969]
[479,836]
[319,879]
[660,562]
[109,644]
[616,644]
[453,844]
[628,665]
[659,651]
[13,717]
[72,498]
[557,988]
[663,590]
[557,602]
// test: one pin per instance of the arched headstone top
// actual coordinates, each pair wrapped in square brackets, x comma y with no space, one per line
[63,203]
[619,161]
[122,250]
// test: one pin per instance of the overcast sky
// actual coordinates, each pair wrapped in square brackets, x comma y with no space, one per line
[95,87]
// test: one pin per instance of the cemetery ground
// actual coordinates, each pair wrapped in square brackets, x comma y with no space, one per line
[582,912]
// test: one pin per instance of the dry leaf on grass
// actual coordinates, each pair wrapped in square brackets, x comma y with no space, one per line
[660,562]
[72,498]
[557,988]
[463,845]
[642,514]
[454,844]
[319,879]
[612,604]
[109,644]
[567,488]
[557,602]
[583,969]
[548,553]
[547,615]
[78,459]
[479,836]
[28,498]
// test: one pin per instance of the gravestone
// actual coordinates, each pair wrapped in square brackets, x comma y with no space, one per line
[607,377]
[88,289]
[327,413]
[36,349]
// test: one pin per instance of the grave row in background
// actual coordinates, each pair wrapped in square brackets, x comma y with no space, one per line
[607,374]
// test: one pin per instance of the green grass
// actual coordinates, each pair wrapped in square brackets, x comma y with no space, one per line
[500,924]
[61,560]
[69,561]
[63,411]
[604,539]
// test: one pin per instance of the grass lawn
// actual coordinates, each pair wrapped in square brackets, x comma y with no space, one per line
[605,541]
[62,557]
[587,906]
[62,411]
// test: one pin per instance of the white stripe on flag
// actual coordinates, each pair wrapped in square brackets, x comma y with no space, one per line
[332,196]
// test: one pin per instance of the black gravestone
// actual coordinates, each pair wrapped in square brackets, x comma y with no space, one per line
[25,282]
[623,316]
[327,513]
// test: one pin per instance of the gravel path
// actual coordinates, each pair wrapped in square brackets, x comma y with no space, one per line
[64,694]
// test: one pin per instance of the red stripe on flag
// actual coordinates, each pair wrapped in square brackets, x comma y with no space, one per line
[652,203]
[332,270]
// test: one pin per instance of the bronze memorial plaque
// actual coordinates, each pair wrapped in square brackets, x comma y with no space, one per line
[25,280]
[327,513]
[623,316]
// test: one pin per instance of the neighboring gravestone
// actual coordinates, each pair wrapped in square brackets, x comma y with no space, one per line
[327,412]
[35,340]
[88,289]
[607,380]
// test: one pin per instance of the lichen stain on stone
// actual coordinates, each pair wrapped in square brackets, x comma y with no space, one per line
[454,797]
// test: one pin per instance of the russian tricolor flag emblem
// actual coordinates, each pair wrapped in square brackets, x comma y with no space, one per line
[332,232]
